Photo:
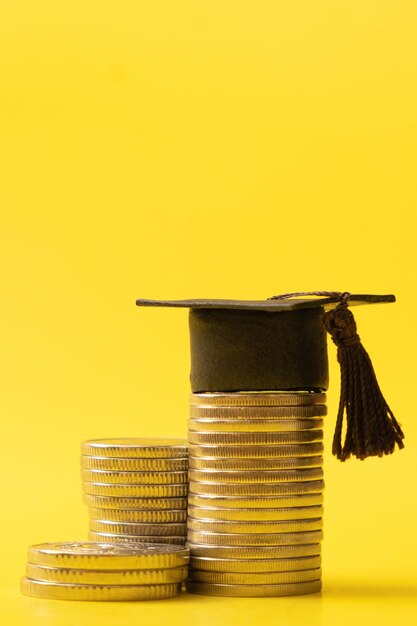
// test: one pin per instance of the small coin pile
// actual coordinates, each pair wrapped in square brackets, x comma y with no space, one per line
[106,572]
[255,493]
[136,489]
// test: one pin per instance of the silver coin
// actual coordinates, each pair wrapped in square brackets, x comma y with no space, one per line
[256,398]
[144,504]
[252,540]
[253,425]
[231,439]
[137,528]
[225,464]
[215,452]
[255,502]
[256,489]
[258,412]
[290,589]
[255,515]
[133,478]
[260,476]
[136,448]
[105,555]
[212,564]
[253,552]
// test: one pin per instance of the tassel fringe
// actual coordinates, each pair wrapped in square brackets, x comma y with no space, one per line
[371,428]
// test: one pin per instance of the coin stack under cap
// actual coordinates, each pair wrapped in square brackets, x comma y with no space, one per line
[102,571]
[255,493]
[136,489]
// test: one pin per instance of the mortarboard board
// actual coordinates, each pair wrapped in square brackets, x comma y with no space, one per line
[280,344]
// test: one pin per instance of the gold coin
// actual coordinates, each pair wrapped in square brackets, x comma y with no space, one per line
[250,528]
[255,502]
[134,465]
[101,593]
[134,478]
[137,528]
[242,591]
[148,504]
[255,464]
[87,555]
[259,553]
[106,577]
[299,398]
[143,448]
[252,426]
[255,515]
[139,491]
[154,539]
[256,489]
[210,564]
[257,413]
[260,476]
[256,452]
[260,539]
[139,515]
[254,578]
[253,439]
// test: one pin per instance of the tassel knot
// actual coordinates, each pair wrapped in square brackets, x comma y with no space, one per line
[341,326]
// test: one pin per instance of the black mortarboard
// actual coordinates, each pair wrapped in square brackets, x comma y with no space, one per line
[280,344]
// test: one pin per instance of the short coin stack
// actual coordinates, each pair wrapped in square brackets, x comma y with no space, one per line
[255,493]
[136,489]
[108,572]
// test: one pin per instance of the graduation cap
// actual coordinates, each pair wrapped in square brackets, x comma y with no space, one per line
[280,344]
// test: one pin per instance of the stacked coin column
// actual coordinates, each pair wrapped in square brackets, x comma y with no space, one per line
[255,493]
[136,489]
[105,572]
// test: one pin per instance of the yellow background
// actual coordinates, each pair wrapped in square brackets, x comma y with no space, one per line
[200,149]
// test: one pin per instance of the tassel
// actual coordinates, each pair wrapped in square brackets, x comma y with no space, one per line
[371,428]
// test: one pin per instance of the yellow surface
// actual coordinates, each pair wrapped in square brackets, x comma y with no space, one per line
[200,149]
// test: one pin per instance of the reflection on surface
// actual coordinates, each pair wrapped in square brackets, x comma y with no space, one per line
[343,602]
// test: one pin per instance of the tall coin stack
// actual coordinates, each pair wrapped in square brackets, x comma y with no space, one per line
[136,489]
[255,493]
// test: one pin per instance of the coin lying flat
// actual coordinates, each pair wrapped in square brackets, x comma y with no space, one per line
[244,553]
[260,539]
[211,564]
[106,577]
[255,578]
[255,515]
[138,515]
[253,439]
[136,448]
[134,465]
[112,537]
[137,528]
[212,451]
[255,502]
[257,399]
[134,478]
[250,528]
[290,589]
[88,555]
[260,412]
[139,491]
[260,476]
[251,426]
[225,464]
[148,504]
[252,489]
[104,593]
